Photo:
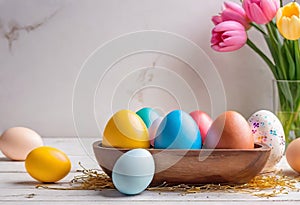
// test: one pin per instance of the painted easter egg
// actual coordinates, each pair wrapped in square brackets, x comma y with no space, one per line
[153,129]
[230,130]
[133,171]
[126,129]
[148,115]
[17,142]
[203,120]
[293,154]
[47,164]
[267,128]
[178,130]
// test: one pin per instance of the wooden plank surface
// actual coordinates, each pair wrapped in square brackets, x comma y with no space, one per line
[17,187]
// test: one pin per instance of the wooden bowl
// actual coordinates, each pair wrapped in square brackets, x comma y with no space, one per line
[175,166]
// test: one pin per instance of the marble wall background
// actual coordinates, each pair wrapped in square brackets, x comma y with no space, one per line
[44,43]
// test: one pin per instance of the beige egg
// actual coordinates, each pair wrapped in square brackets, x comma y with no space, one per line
[17,142]
[229,131]
[293,154]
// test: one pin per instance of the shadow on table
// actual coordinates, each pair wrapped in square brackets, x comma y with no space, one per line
[112,193]
[290,173]
[4,159]
[27,183]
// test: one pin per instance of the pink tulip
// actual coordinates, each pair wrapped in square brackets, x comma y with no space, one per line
[217,19]
[232,12]
[261,11]
[228,36]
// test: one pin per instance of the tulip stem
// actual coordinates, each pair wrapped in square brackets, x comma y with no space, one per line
[263,56]
[258,28]
[276,45]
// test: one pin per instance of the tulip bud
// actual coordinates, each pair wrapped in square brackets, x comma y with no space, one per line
[232,12]
[261,11]
[228,36]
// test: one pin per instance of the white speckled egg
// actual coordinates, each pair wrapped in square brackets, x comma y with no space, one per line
[267,128]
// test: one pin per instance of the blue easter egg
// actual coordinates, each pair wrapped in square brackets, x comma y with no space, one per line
[178,130]
[148,115]
[133,171]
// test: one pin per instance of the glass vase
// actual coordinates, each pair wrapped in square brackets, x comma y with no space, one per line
[286,102]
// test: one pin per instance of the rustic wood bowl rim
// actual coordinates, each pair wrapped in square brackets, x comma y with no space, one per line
[260,147]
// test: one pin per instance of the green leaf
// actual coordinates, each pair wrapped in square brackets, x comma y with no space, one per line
[276,45]
[277,73]
[290,61]
[297,58]
[284,88]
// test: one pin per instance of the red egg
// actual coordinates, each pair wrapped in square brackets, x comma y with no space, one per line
[229,131]
[203,120]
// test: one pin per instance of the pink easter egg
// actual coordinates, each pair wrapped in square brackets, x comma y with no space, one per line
[153,128]
[203,120]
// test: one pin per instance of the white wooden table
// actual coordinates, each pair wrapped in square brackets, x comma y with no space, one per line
[17,187]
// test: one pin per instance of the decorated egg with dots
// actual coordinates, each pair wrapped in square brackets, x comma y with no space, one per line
[267,129]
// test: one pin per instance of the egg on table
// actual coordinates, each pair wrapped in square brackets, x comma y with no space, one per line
[125,129]
[293,154]
[230,130]
[178,130]
[17,142]
[133,171]
[267,128]
[47,164]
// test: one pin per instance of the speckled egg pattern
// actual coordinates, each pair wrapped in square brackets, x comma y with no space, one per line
[266,128]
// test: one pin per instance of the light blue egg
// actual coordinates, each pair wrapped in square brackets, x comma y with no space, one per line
[148,115]
[133,171]
[178,130]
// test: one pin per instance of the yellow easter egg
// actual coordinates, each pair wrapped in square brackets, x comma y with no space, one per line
[47,164]
[126,129]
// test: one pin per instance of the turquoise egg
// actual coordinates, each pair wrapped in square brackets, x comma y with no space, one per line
[148,115]
[133,171]
[178,130]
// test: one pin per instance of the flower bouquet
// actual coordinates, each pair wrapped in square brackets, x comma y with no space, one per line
[280,26]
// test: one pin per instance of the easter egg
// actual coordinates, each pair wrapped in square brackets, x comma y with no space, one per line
[148,115]
[203,120]
[17,142]
[230,130]
[178,130]
[293,154]
[47,164]
[126,129]
[267,128]
[133,171]
[153,129]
